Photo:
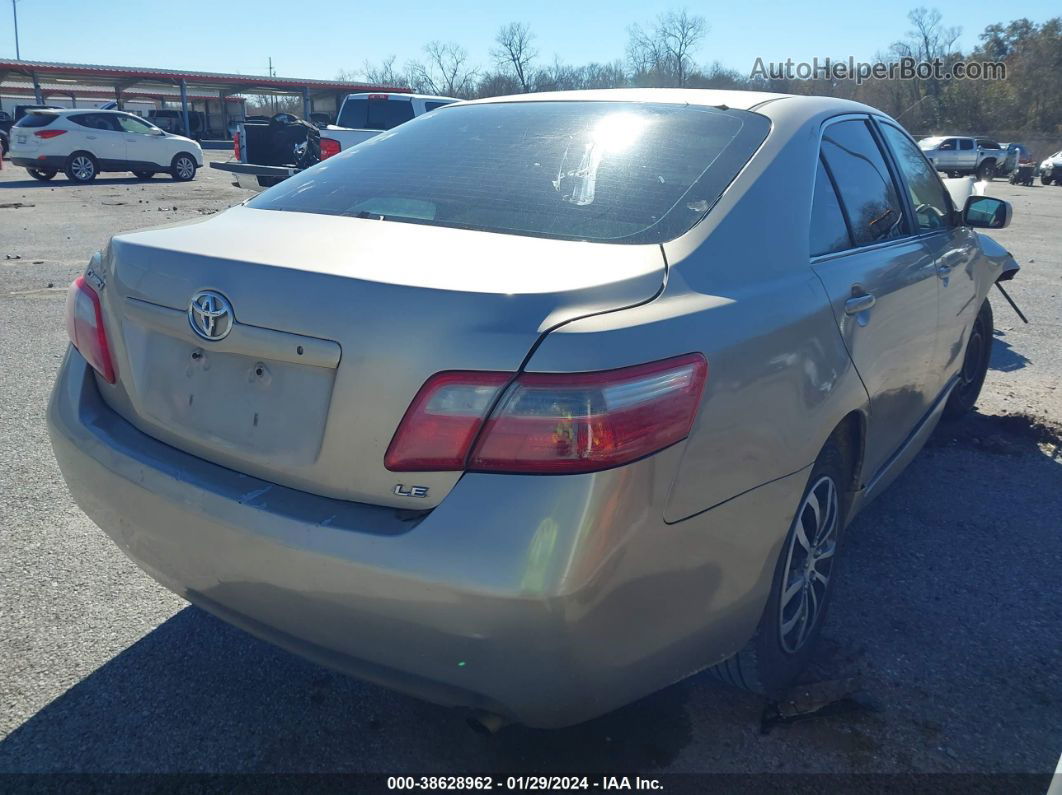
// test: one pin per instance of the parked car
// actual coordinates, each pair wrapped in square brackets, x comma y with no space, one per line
[362,116]
[257,165]
[960,156]
[82,143]
[1051,169]
[1015,153]
[172,121]
[271,150]
[534,420]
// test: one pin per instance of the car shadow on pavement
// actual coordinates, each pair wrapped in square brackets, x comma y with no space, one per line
[62,182]
[933,646]
[1003,356]
[197,694]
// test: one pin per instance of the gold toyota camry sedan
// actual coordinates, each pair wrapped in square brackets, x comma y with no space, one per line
[534,405]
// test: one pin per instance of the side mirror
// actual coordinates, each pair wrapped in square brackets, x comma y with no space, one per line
[158,131]
[987,212]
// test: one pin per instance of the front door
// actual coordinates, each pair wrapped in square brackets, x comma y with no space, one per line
[882,286]
[141,141]
[954,250]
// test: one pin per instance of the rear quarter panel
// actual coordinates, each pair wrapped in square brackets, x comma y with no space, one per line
[740,290]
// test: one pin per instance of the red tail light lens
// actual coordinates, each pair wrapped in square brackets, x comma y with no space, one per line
[329,147]
[589,421]
[546,423]
[442,422]
[49,133]
[236,145]
[84,325]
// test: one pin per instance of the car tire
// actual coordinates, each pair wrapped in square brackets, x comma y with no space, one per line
[183,167]
[986,171]
[43,174]
[143,174]
[792,620]
[974,366]
[81,167]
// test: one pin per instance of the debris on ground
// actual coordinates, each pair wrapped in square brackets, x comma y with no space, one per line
[815,700]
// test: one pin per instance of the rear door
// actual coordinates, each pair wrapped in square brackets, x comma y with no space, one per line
[880,280]
[103,137]
[967,158]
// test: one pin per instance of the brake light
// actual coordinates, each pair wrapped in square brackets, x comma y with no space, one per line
[378,96]
[443,420]
[329,147]
[84,325]
[549,423]
[236,144]
[49,133]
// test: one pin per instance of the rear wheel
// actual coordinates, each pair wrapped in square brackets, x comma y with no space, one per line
[143,174]
[1045,179]
[800,592]
[43,174]
[974,366]
[986,171]
[81,167]
[183,168]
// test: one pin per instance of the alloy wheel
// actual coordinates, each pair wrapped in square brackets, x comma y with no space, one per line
[82,168]
[185,168]
[809,562]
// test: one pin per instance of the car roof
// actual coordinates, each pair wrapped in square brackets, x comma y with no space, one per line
[68,111]
[403,95]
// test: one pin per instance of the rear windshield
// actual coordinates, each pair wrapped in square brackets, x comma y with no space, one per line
[605,171]
[36,120]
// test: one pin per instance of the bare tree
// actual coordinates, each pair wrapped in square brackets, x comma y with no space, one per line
[515,53]
[446,70]
[664,53]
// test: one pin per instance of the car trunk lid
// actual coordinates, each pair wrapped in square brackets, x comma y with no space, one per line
[338,322]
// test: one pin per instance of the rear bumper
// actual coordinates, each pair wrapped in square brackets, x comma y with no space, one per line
[50,162]
[255,177]
[549,600]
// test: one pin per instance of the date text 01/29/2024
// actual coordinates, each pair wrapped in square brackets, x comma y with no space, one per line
[523,783]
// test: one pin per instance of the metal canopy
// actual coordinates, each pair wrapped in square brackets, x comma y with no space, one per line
[141,81]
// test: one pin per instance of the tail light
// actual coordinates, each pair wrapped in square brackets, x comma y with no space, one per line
[548,423]
[49,133]
[329,147]
[236,144]
[84,325]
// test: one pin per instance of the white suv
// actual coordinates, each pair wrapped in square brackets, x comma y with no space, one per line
[82,143]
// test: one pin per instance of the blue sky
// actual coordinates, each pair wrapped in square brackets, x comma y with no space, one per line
[315,38]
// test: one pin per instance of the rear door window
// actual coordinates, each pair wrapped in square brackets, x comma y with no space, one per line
[864,182]
[605,171]
[430,106]
[828,232]
[385,114]
[965,144]
[36,120]
[353,113]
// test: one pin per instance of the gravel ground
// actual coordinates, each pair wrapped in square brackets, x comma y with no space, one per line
[948,605]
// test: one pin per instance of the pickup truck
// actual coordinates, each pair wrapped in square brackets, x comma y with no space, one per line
[361,116]
[960,156]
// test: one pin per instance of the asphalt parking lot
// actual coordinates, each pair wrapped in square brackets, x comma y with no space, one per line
[948,608]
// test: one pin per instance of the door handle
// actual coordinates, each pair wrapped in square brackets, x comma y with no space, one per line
[859,303]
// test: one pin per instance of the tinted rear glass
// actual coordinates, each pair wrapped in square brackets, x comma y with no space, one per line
[36,120]
[352,114]
[385,114]
[604,171]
